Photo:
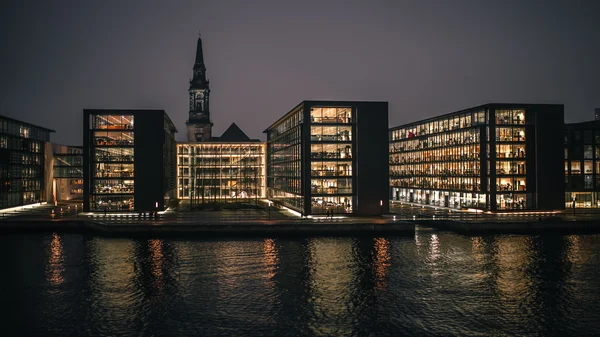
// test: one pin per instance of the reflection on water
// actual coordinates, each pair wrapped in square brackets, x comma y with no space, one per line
[56,260]
[382,262]
[432,284]
[271,260]
[157,261]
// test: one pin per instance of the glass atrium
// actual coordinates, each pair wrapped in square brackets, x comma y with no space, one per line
[112,161]
[220,171]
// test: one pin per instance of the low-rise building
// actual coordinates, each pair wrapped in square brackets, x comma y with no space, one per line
[226,168]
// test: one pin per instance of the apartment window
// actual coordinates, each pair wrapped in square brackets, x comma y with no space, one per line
[575,167]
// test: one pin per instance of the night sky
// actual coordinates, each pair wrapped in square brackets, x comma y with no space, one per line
[263,57]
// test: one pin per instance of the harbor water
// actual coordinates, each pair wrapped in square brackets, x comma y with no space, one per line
[429,284]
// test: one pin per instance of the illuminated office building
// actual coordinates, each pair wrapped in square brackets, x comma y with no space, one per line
[325,155]
[129,160]
[582,164]
[23,151]
[494,157]
[231,167]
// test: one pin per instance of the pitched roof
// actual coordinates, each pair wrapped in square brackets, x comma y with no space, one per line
[234,134]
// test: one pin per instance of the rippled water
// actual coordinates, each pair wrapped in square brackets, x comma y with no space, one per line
[429,284]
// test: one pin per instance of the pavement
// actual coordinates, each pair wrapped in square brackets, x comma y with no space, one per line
[398,212]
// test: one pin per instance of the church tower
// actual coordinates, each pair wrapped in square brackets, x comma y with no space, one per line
[199,126]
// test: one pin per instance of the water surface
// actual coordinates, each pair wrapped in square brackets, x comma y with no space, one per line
[433,284]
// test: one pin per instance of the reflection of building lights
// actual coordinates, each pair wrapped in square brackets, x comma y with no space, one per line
[56,261]
[382,261]
[270,259]
[435,247]
[157,260]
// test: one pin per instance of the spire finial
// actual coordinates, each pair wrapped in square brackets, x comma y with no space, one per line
[199,33]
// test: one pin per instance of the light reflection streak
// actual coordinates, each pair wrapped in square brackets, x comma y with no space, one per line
[574,250]
[512,258]
[55,267]
[157,262]
[382,262]
[434,248]
[331,278]
[270,259]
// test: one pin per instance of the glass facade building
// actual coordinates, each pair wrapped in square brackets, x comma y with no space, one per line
[211,171]
[582,164]
[312,161]
[67,172]
[22,162]
[486,157]
[129,160]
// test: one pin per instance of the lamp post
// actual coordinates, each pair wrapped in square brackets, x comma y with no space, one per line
[574,199]
[381,207]
[269,207]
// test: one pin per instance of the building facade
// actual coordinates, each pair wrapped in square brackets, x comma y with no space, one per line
[582,164]
[199,126]
[316,151]
[128,159]
[494,157]
[220,171]
[23,152]
[67,172]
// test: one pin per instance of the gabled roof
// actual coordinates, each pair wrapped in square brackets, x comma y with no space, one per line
[234,134]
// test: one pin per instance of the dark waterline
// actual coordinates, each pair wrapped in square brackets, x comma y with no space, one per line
[431,284]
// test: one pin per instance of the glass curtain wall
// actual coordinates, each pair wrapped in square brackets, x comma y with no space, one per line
[438,162]
[331,159]
[227,171]
[113,162]
[284,164]
[21,162]
[510,164]
[582,166]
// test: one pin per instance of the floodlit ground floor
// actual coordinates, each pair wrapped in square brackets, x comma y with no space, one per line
[459,200]
[582,199]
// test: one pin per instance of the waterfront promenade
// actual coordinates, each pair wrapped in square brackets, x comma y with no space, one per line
[403,221]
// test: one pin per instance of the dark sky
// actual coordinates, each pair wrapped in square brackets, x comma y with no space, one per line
[263,57]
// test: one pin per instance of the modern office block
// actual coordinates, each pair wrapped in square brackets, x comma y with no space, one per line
[494,157]
[129,160]
[582,164]
[330,155]
[22,163]
[67,172]
[217,171]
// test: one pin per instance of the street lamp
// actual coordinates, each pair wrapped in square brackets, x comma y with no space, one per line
[269,207]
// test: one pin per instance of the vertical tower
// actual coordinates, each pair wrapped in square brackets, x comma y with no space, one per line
[199,126]
[597,111]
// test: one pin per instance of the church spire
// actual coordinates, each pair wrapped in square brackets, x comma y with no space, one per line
[199,80]
[199,126]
